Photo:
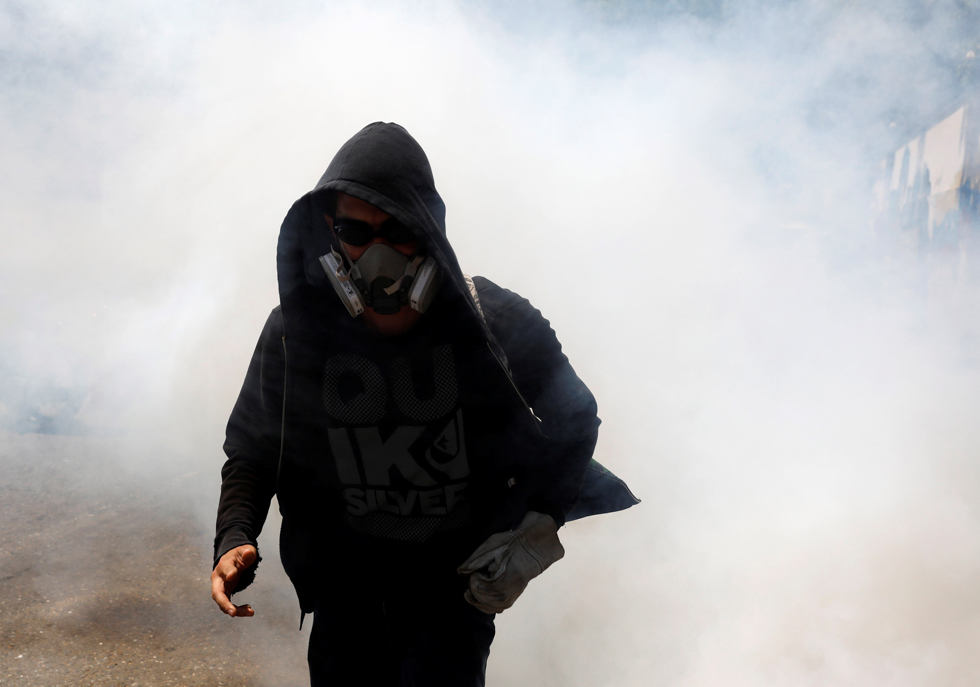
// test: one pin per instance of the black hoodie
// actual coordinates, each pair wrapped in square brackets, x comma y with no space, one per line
[401,452]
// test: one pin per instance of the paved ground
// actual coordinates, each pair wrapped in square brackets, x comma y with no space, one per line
[104,576]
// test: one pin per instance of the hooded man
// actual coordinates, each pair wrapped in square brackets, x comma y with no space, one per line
[388,406]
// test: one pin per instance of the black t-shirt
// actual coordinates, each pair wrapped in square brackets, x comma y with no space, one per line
[407,435]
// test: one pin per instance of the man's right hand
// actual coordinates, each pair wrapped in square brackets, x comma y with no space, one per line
[224,579]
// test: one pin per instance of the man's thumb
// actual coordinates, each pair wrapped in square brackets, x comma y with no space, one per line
[247,557]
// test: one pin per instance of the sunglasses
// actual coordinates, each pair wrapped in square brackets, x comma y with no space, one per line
[357,233]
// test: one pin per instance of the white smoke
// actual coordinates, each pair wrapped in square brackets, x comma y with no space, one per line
[685,198]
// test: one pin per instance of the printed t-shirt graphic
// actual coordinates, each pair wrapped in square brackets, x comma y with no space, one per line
[397,438]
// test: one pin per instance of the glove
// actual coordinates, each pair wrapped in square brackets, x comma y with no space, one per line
[502,566]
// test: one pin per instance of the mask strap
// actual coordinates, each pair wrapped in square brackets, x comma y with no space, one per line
[352,271]
[410,271]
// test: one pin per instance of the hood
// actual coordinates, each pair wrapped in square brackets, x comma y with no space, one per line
[383,165]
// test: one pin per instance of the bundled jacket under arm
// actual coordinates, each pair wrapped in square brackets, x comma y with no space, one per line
[564,405]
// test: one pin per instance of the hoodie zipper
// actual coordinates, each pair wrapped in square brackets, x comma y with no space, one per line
[513,385]
[475,298]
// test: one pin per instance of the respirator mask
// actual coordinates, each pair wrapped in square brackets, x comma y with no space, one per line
[382,277]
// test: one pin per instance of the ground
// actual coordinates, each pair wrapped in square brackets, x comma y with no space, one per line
[104,568]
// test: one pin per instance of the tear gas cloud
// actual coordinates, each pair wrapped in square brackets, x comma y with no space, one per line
[683,190]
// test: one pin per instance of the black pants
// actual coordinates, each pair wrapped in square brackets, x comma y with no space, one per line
[367,637]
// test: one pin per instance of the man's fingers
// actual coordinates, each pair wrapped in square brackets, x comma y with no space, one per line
[225,604]
[219,596]
[243,611]
[471,600]
[475,562]
[229,573]
[493,547]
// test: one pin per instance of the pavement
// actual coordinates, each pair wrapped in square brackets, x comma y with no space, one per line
[104,574]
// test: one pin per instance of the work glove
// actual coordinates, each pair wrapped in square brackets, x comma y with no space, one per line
[502,566]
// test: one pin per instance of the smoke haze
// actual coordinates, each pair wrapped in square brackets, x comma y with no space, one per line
[684,190]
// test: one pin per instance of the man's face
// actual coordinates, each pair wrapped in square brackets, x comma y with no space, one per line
[354,209]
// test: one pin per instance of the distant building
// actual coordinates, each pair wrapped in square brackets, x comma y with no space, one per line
[926,201]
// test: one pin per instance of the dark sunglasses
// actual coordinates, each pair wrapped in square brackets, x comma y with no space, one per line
[357,233]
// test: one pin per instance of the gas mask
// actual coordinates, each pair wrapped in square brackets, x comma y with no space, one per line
[383,279]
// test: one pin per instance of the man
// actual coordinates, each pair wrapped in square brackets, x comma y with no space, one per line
[388,405]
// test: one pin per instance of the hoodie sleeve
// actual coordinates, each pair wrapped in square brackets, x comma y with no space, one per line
[252,439]
[560,399]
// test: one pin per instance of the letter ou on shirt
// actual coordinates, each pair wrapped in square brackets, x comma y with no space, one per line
[378,456]
[368,406]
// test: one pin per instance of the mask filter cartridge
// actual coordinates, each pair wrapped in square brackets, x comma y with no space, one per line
[383,279]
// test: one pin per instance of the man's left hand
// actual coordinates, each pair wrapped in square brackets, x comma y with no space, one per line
[502,566]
